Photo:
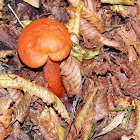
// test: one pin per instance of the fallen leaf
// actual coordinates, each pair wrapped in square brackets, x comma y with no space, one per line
[48,123]
[125,2]
[21,111]
[34,3]
[81,116]
[1,7]
[14,81]
[4,104]
[113,124]
[71,76]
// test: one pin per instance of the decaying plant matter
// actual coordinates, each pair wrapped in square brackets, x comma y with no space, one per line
[14,81]
[100,74]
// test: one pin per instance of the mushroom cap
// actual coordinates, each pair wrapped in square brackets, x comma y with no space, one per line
[42,38]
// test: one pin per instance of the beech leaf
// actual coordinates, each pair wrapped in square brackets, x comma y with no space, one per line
[34,3]
[125,2]
[71,76]
[15,81]
[113,124]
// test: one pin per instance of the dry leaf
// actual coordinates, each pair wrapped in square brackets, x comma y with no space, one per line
[6,118]
[89,32]
[125,2]
[128,41]
[34,3]
[48,123]
[4,104]
[113,124]
[74,25]
[124,137]
[81,116]
[21,111]
[71,76]
[60,132]
[89,15]
[119,9]
[88,124]
[3,131]
[1,7]
[137,130]
[3,54]
[14,81]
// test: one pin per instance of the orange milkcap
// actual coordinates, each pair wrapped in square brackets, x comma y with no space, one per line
[41,39]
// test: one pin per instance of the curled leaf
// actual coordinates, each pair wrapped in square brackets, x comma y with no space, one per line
[48,123]
[90,33]
[4,104]
[81,116]
[113,124]
[22,110]
[71,76]
[74,25]
[91,16]
[14,81]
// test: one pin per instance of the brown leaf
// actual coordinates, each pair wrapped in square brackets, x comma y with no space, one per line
[100,101]
[5,120]
[88,122]
[48,123]
[71,76]
[3,131]
[34,3]
[21,111]
[91,16]
[89,32]
[116,87]
[4,104]
[14,81]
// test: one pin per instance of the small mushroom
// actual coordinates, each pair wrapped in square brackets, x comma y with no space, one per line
[45,42]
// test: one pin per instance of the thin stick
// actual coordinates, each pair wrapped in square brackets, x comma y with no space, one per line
[74,108]
[15,15]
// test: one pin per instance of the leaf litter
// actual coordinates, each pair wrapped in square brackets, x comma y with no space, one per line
[104,54]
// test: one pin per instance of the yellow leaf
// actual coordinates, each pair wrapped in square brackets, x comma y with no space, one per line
[125,2]
[119,9]
[60,131]
[74,24]
[3,54]
[90,16]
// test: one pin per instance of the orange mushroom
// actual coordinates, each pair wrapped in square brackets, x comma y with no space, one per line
[45,42]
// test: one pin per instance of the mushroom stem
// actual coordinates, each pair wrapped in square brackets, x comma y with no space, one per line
[52,77]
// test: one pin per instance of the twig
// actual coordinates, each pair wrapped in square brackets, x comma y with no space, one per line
[15,15]
[74,109]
